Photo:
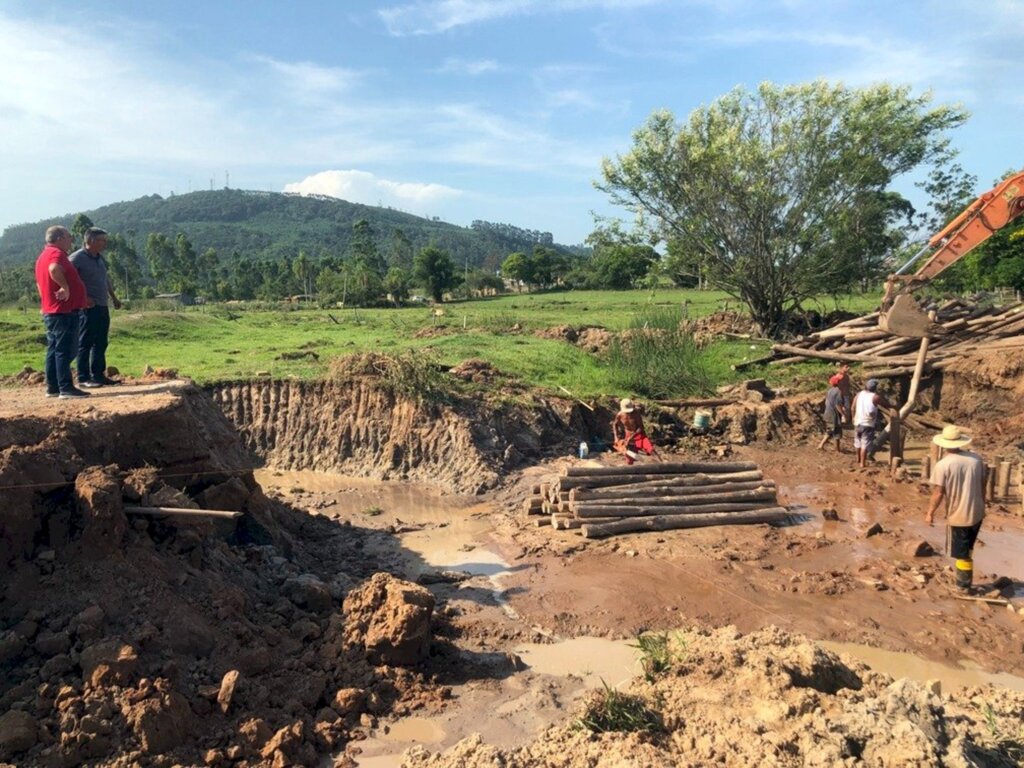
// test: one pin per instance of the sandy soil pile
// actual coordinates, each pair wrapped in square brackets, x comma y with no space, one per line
[591,338]
[769,699]
[135,640]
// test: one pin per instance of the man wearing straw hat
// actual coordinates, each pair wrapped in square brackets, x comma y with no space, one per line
[628,432]
[959,479]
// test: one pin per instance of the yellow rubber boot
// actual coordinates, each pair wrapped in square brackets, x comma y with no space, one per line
[964,573]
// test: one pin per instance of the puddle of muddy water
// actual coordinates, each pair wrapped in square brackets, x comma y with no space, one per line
[899,665]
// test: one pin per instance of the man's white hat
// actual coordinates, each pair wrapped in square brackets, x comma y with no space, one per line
[951,437]
[626,405]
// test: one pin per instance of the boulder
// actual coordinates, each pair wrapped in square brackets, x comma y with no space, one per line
[111,662]
[307,591]
[348,701]
[161,723]
[227,690]
[874,530]
[18,733]
[389,619]
[230,496]
[288,747]
[98,496]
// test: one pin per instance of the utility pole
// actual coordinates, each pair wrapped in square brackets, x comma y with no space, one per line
[465,278]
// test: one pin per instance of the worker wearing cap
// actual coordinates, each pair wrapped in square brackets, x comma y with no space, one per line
[628,431]
[865,418]
[959,479]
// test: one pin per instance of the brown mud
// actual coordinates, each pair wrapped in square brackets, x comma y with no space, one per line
[127,640]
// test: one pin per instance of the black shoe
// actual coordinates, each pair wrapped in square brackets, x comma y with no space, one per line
[89,384]
[109,382]
[72,393]
[52,394]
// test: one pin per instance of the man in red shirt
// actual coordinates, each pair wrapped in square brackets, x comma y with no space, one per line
[61,296]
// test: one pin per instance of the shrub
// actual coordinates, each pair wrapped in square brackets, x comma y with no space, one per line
[657,358]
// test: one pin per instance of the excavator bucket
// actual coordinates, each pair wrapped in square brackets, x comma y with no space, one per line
[905,318]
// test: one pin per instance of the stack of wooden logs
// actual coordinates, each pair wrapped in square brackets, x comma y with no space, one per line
[603,501]
[966,328]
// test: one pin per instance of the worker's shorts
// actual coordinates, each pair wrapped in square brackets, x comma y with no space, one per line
[961,540]
[863,437]
[834,426]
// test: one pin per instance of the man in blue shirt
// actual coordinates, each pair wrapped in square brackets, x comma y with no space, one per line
[94,327]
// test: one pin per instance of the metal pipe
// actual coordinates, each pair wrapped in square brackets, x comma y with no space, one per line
[926,247]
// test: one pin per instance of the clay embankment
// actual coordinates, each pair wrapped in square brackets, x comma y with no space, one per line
[129,640]
[358,428]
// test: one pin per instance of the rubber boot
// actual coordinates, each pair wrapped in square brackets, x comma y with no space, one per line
[964,574]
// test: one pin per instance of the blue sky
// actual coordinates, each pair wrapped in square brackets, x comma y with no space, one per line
[487,109]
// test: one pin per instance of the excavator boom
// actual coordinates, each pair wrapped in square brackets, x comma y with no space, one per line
[981,219]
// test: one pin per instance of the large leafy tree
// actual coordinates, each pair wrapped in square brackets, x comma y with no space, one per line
[776,192]
[435,269]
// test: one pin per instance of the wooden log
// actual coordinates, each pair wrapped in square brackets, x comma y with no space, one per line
[630,491]
[533,505]
[990,482]
[760,493]
[672,522]
[741,366]
[664,468]
[839,356]
[788,360]
[686,481]
[540,522]
[1004,479]
[926,468]
[572,523]
[131,509]
[634,510]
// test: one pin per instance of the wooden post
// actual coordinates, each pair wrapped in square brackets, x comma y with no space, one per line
[990,482]
[935,452]
[926,468]
[130,509]
[1004,480]
[895,442]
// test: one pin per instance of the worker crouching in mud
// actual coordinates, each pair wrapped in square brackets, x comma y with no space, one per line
[959,480]
[628,432]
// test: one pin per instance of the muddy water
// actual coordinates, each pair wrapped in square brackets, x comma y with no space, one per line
[444,532]
[907,665]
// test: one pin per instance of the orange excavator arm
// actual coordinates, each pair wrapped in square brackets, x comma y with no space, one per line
[977,223]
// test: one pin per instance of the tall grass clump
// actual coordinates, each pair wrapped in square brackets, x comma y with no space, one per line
[415,376]
[610,711]
[656,358]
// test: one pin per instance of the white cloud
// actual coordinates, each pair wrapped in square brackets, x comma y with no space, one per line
[309,78]
[436,16]
[468,67]
[364,187]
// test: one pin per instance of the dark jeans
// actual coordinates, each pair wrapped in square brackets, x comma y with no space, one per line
[61,346]
[92,344]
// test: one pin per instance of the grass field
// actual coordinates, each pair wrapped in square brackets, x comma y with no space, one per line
[216,342]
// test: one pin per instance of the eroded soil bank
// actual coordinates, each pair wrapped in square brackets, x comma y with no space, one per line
[118,636]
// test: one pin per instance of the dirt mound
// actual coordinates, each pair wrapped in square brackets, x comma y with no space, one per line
[724,322]
[767,698]
[481,372]
[128,639]
[594,339]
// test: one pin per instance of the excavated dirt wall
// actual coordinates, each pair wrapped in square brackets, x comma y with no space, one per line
[357,427]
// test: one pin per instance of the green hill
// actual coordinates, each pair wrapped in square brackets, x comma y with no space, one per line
[274,225]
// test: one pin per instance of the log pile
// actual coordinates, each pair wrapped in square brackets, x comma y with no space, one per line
[605,501]
[966,328]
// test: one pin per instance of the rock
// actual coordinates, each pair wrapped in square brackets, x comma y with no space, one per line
[161,723]
[874,530]
[935,686]
[18,733]
[1003,582]
[348,701]
[307,591]
[253,661]
[230,496]
[165,496]
[254,734]
[56,667]
[52,643]
[111,662]
[390,619]
[227,690]
[830,513]
[188,633]
[93,616]
[98,496]
[919,548]
[11,646]
[288,747]
[139,482]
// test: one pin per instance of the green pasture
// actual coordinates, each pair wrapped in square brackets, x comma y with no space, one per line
[224,342]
